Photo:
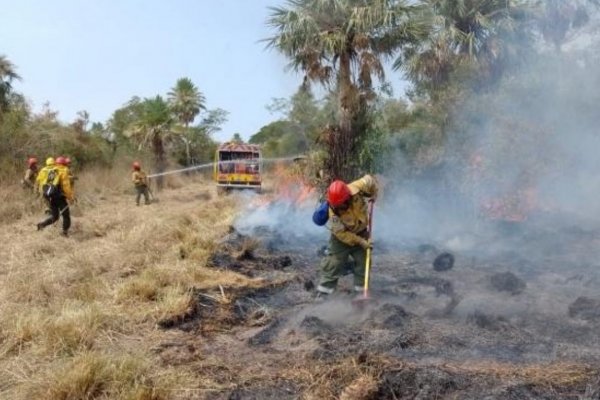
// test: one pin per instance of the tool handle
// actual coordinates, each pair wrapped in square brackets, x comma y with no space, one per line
[367,270]
[368,261]
[370,207]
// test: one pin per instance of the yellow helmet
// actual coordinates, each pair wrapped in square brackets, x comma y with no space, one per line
[49,161]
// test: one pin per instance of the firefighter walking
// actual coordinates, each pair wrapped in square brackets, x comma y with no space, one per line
[31,174]
[55,186]
[72,177]
[140,182]
[349,220]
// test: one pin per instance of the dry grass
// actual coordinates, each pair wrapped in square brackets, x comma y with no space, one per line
[78,316]
[16,203]
[557,374]
[364,387]
[247,250]
[360,377]
[91,375]
[76,327]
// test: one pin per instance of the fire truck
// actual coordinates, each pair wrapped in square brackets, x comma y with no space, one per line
[238,165]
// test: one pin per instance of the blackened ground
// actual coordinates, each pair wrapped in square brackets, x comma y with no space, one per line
[505,327]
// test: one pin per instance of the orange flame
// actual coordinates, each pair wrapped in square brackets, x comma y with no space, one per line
[290,187]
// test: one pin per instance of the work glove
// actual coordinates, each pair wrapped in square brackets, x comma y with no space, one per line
[366,244]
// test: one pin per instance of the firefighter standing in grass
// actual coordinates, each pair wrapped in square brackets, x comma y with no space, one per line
[56,188]
[29,180]
[349,220]
[140,181]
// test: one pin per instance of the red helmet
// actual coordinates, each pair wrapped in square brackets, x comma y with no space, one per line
[67,160]
[136,165]
[338,193]
[61,160]
[32,161]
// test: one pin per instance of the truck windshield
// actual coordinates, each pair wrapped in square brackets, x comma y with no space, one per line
[238,162]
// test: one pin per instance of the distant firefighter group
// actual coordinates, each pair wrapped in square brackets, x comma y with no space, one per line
[55,184]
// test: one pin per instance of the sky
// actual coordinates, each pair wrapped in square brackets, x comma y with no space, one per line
[96,55]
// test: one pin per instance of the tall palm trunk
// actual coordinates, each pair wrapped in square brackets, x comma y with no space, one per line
[186,141]
[158,148]
[340,142]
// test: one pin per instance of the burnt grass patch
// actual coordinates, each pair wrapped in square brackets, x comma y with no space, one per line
[277,391]
[387,329]
[212,313]
[248,256]
[389,316]
[441,286]
[274,342]
[266,335]
[585,308]
[443,262]
[508,282]
[488,322]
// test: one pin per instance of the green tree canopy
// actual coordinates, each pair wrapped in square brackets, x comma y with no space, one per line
[8,75]
[340,44]
[186,101]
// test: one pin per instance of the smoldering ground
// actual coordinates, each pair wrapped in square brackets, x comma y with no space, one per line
[514,199]
[517,190]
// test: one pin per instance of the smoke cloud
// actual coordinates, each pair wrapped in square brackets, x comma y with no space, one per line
[524,162]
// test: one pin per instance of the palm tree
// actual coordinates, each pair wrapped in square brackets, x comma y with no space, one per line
[152,128]
[558,17]
[341,44]
[7,76]
[484,33]
[186,101]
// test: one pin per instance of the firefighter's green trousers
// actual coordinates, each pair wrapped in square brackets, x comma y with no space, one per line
[333,264]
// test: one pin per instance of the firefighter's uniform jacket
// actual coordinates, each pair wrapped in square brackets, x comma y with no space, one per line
[64,181]
[140,181]
[348,225]
[139,178]
[349,236]
[30,178]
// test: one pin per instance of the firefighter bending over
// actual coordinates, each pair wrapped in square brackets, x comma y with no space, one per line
[349,219]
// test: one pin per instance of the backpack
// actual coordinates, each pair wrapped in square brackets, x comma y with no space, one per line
[51,188]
